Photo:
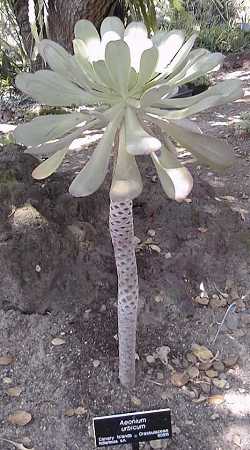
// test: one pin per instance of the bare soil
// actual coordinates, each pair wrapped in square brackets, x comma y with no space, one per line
[58,279]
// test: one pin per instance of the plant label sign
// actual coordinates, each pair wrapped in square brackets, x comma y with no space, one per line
[132,428]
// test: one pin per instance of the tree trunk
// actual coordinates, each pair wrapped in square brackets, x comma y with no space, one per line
[62,16]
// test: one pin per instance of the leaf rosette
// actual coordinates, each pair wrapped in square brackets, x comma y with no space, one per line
[124,82]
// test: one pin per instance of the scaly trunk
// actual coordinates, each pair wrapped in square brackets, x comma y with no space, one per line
[122,234]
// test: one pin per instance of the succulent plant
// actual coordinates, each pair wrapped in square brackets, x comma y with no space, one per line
[126,83]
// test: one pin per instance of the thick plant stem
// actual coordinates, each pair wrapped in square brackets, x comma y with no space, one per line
[122,234]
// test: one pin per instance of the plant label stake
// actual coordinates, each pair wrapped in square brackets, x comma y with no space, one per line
[132,428]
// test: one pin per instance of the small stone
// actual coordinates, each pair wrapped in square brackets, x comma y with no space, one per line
[96,363]
[168,255]
[14,391]
[201,300]
[7,380]
[179,379]
[164,396]
[136,401]
[57,341]
[202,352]
[191,358]
[175,429]
[159,298]
[211,373]
[103,308]
[69,412]
[214,417]
[160,376]
[219,383]
[218,366]
[237,440]
[205,387]
[231,361]
[162,353]
[151,233]
[218,302]
[20,418]
[6,360]
[155,248]
[193,372]
[158,444]
[80,411]
[216,399]
[38,268]
[150,359]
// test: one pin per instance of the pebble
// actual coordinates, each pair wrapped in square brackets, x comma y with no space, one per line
[230,361]
[218,302]
[179,379]
[164,396]
[201,300]
[96,363]
[211,373]
[214,417]
[160,376]
[218,366]
[151,233]
[135,401]
[193,371]
[219,383]
[168,255]
[150,359]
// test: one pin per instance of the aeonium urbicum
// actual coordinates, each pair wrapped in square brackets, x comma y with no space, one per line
[125,82]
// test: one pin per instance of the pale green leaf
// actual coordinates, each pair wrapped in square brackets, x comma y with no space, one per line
[85,66]
[47,128]
[209,150]
[62,62]
[117,58]
[85,30]
[127,182]
[148,63]
[177,183]
[93,174]
[136,37]
[138,141]
[168,44]
[113,24]
[154,95]
[224,92]
[201,66]
[50,88]
[181,56]
[46,168]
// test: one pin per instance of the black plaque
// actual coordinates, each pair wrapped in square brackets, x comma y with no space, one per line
[132,427]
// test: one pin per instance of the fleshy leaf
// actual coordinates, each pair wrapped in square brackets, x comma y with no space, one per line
[62,62]
[46,168]
[176,180]
[93,174]
[136,37]
[168,44]
[148,64]
[86,31]
[51,89]
[138,141]
[127,182]
[209,150]
[117,58]
[113,24]
[47,128]
[201,66]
